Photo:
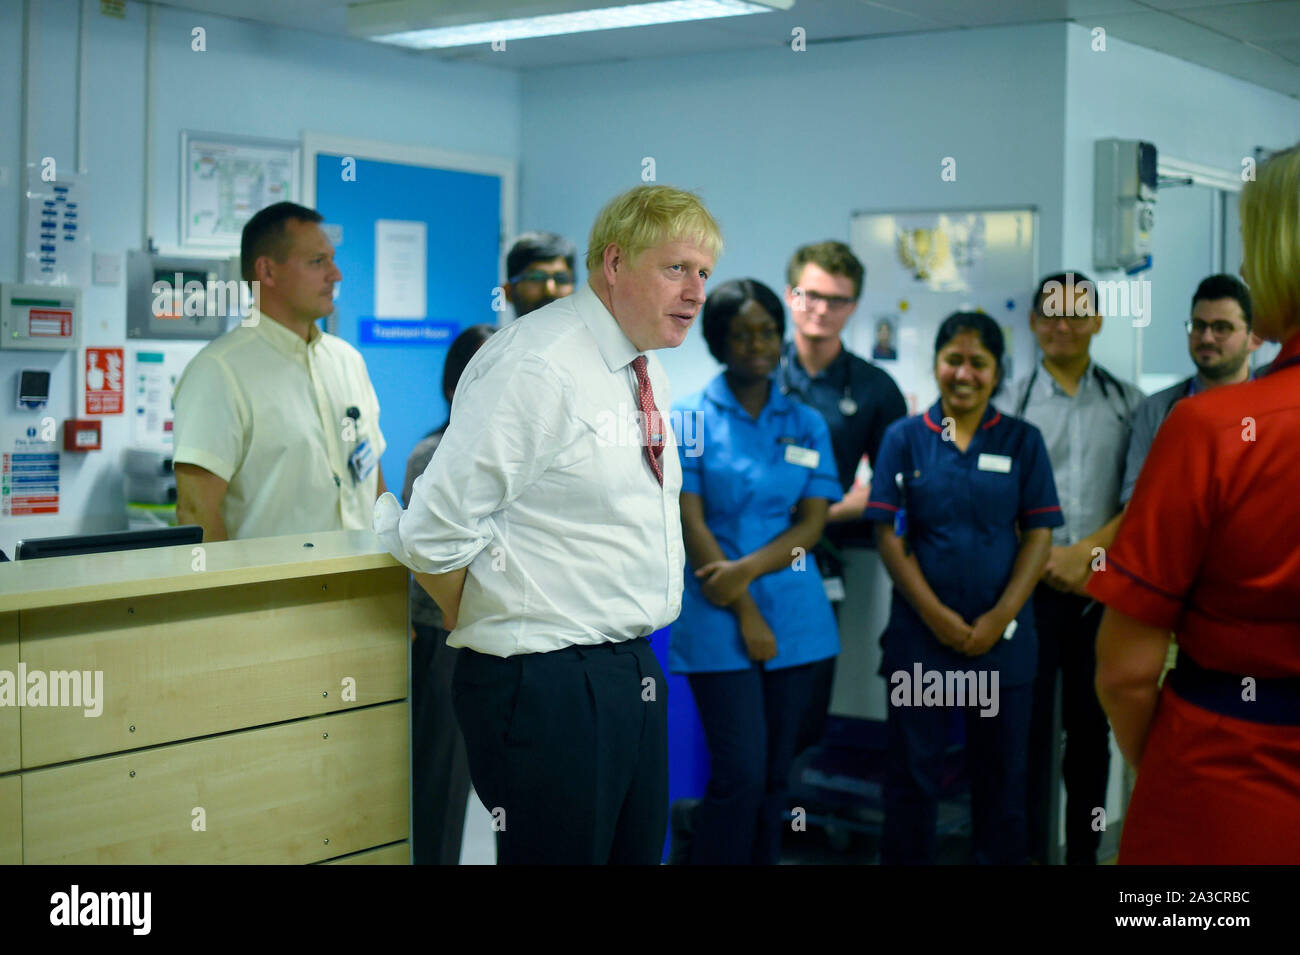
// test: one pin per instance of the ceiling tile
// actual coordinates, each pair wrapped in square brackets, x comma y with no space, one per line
[1002,12]
[1251,21]
[1200,31]
[1180,5]
[1160,31]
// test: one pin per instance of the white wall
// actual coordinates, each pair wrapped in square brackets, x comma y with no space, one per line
[1189,112]
[251,80]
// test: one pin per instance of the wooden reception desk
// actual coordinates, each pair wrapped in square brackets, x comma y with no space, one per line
[253,705]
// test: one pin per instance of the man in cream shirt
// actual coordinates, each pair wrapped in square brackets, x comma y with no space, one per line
[547,529]
[277,424]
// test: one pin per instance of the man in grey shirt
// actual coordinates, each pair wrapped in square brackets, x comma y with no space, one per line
[1083,412]
[1220,343]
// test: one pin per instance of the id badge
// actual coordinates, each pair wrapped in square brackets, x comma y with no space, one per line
[900,522]
[361,462]
[998,463]
[834,587]
[804,457]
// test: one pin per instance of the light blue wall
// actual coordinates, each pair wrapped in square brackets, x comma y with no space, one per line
[11,113]
[1189,112]
[252,80]
[261,81]
[783,146]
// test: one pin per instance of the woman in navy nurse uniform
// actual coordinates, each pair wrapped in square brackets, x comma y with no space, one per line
[758,474]
[964,503]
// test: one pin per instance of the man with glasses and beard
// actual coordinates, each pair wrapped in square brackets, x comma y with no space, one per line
[1220,343]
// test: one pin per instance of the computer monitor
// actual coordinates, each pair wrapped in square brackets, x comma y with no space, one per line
[107,543]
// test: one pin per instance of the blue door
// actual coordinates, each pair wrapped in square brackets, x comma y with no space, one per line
[462,216]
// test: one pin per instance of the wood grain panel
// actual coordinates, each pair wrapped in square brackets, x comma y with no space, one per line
[294,793]
[10,715]
[11,820]
[183,666]
[59,581]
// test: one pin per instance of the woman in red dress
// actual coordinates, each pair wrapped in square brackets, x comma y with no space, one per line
[1210,549]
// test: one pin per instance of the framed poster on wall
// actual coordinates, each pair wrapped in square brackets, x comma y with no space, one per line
[225,180]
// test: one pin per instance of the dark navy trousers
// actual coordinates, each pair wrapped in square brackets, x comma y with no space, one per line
[569,751]
[751,722]
[996,762]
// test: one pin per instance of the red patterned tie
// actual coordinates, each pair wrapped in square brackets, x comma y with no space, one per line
[653,424]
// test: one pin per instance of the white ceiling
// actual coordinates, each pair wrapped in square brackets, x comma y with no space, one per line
[1256,40]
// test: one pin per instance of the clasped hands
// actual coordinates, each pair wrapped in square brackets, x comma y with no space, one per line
[972,639]
[723,582]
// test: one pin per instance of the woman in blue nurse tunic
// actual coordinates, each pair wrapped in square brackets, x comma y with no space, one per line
[758,474]
[964,503]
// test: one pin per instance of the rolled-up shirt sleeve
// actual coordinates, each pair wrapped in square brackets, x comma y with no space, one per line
[1161,544]
[508,424]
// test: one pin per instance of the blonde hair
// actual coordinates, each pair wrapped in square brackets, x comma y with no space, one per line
[647,216]
[1270,235]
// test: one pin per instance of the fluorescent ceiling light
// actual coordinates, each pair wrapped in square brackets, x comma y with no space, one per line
[578,21]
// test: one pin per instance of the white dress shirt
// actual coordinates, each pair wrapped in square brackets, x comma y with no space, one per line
[542,488]
[268,412]
[1087,437]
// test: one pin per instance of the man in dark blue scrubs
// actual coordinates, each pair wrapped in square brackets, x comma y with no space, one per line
[858,400]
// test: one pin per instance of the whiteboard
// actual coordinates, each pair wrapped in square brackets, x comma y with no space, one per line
[924,265]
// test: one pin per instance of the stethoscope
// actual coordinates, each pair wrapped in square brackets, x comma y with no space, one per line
[1097,373]
[848,407]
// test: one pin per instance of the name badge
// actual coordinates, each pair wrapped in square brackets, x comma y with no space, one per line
[995,462]
[804,457]
[834,587]
[362,461]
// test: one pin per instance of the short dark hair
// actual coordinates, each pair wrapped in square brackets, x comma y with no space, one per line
[539,247]
[1224,286]
[264,234]
[723,304]
[990,336]
[1061,280]
[459,353]
[832,257]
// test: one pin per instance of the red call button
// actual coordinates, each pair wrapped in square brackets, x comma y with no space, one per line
[81,435]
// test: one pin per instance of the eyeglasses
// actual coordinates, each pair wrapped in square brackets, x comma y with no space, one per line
[540,277]
[1221,329]
[831,301]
